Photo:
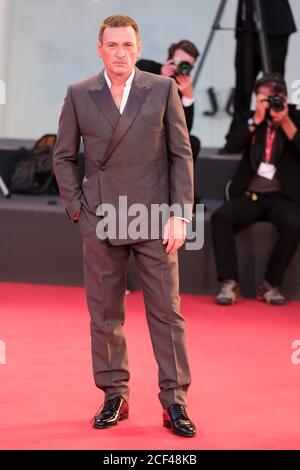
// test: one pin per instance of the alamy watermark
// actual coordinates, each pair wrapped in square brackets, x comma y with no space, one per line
[2,352]
[138,221]
[295,357]
[2,92]
[296,93]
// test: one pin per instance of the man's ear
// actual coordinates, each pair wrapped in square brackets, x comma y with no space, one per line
[139,48]
[99,48]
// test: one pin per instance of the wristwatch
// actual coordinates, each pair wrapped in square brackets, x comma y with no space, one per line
[251,122]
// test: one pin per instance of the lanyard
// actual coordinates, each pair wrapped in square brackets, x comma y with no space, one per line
[269,143]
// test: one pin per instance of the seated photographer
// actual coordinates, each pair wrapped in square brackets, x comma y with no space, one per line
[266,186]
[279,24]
[181,59]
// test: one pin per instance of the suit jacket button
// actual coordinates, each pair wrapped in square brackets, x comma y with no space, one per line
[102,168]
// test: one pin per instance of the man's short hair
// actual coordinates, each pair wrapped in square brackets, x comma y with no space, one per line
[273,80]
[118,21]
[187,46]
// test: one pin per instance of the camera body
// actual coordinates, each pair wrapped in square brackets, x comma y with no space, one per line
[276,102]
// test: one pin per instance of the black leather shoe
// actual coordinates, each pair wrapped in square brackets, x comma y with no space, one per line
[175,417]
[113,410]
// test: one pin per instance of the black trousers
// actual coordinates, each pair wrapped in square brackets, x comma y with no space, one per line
[278,51]
[242,212]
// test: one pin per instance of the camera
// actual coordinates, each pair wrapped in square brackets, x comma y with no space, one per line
[182,66]
[276,102]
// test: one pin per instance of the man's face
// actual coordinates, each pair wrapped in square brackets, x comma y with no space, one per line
[266,91]
[119,50]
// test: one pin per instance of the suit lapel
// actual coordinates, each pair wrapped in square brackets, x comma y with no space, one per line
[104,100]
[278,145]
[138,93]
[258,145]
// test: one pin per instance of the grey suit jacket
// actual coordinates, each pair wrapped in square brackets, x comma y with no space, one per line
[144,153]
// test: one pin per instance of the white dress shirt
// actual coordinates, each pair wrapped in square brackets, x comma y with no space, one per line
[126,90]
[187,101]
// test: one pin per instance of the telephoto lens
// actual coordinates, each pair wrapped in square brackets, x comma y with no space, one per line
[182,67]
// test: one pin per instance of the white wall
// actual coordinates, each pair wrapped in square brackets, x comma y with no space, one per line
[53,43]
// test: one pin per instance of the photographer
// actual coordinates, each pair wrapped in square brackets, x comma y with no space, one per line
[266,186]
[180,61]
[278,24]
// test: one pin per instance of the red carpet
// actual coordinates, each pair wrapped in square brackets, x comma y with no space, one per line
[244,395]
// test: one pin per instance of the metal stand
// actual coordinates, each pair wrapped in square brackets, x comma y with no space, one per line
[260,30]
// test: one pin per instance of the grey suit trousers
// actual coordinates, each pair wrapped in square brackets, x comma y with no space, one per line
[105,269]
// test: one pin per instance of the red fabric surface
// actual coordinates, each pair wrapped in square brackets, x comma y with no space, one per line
[244,394]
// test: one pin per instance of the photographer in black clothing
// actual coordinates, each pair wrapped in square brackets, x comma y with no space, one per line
[266,186]
[179,63]
[279,25]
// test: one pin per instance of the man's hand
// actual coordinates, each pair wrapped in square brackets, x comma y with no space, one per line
[260,109]
[76,216]
[174,234]
[168,69]
[185,85]
[279,116]
[283,119]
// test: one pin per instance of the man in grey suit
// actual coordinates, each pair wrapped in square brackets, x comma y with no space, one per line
[136,144]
